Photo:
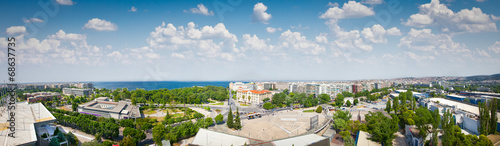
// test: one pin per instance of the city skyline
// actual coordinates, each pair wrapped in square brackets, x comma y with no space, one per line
[73,40]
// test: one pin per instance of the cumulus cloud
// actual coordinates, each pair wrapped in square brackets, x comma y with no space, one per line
[33,20]
[16,30]
[330,4]
[209,41]
[65,2]
[377,33]
[425,40]
[58,48]
[200,10]
[495,47]
[296,41]
[253,42]
[133,9]
[272,29]
[350,9]
[100,25]
[260,14]
[439,15]
[321,38]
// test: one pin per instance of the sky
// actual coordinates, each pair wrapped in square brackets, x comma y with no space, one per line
[228,40]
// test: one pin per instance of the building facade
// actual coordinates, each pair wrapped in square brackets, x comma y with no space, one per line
[253,96]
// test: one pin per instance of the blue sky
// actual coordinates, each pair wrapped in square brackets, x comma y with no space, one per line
[73,40]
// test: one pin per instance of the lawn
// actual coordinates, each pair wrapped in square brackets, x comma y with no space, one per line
[220,103]
[177,115]
[149,112]
[242,104]
[308,111]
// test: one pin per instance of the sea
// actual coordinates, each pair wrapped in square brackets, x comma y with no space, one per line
[153,85]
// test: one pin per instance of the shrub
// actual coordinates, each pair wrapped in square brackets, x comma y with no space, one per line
[319,109]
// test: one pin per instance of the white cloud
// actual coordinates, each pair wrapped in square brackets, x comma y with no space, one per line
[33,20]
[177,55]
[140,53]
[418,58]
[100,25]
[295,40]
[482,53]
[425,40]
[133,9]
[335,4]
[438,15]
[201,10]
[65,2]
[272,29]
[394,31]
[372,2]
[68,36]
[58,48]
[321,38]
[260,14]
[495,18]
[495,47]
[351,9]
[299,27]
[16,30]
[210,41]
[253,42]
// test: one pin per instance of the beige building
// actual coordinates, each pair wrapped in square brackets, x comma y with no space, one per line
[253,96]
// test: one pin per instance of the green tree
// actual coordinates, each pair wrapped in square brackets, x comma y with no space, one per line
[230,118]
[158,133]
[493,116]
[344,115]
[237,120]
[54,141]
[324,98]
[484,118]
[219,118]
[348,103]
[128,141]
[435,125]
[266,99]
[98,137]
[208,121]
[319,109]
[71,138]
[339,124]
[423,118]
[74,106]
[395,104]
[356,101]
[339,100]
[381,127]
[388,106]
[267,105]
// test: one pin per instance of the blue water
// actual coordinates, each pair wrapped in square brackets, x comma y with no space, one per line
[153,85]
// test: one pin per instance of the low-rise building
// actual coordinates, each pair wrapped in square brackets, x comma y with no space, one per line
[37,96]
[108,109]
[76,91]
[253,96]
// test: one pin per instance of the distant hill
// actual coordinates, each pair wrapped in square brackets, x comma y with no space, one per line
[483,77]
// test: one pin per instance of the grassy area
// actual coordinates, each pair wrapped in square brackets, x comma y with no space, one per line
[149,112]
[211,101]
[308,111]
[177,115]
[220,103]
[243,104]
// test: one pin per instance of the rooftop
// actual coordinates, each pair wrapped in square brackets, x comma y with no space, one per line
[26,116]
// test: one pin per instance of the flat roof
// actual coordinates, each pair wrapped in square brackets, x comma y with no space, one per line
[211,138]
[364,141]
[300,140]
[462,106]
[26,115]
